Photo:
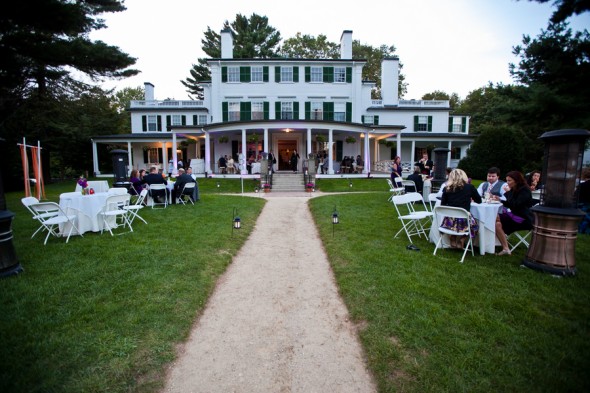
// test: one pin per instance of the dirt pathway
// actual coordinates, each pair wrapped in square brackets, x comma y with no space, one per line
[275,322]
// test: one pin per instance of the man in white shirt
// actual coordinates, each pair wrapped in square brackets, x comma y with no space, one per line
[494,185]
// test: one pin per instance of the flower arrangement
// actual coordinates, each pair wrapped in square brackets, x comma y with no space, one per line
[310,185]
[82,182]
[350,139]
[266,185]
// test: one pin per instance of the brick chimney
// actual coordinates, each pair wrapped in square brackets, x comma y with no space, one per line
[148,89]
[346,45]
[227,44]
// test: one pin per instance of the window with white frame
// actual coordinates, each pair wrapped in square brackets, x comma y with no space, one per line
[286,110]
[340,111]
[233,74]
[339,74]
[153,155]
[455,153]
[317,74]
[286,74]
[317,110]
[256,74]
[457,124]
[152,123]
[257,111]
[233,111]
[422,124]
[369,119]
[202,119]
[176,120]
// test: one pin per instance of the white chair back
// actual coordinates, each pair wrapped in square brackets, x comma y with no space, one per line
[118,191]
[453,212]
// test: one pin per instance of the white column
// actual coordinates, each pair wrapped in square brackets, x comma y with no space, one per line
[265,148]
[308,142]
[164,157]
[399,144]
[367,154]
[376,143]
[412,157]
[174,155]
[208,153]
[243,169]
[330,150]
[450,146]
[129,158]
[94,159]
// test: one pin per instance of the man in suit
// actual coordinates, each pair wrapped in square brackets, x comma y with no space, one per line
[416,177]
[154,178]
[493,185]
[181,180]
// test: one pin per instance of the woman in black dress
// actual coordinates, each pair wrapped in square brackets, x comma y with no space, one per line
[294,160]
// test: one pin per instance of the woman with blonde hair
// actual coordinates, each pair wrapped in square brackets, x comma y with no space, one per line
[459,193]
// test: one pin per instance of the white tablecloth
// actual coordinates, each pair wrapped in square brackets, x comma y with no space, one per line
[97,185]
[485,214]
[86,208]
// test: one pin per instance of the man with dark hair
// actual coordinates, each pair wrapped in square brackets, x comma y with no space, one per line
[416,177]
[494,185]
[154,178]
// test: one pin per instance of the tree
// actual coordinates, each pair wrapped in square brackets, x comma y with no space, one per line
[372,70]
[309,47]
[122,99]
[253,38]
[566,8]
[453,99]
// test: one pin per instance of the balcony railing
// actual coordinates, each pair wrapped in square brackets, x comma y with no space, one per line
[166,104]
[416,103]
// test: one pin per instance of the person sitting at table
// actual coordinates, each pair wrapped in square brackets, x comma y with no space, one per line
[426,165]
[533,180]
[494,185]
[416,177]
[189,171]
[135,181]
[182,178]
[360,164]
[515,216]
[396,169]
[459,193]
[230,165]
[222,163]
[141,174]
[154,178]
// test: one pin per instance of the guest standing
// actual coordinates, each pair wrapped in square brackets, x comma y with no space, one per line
[294,161]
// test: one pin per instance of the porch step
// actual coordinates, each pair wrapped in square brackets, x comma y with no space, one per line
[288,182]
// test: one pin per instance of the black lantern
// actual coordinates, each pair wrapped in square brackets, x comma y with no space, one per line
[557,217]
[236,223]
[335,219]
[256,189]
[349,183]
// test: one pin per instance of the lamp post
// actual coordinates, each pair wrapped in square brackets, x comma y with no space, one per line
[335,219]
[557,216]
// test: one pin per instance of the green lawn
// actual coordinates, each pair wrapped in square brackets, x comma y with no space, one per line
[106,313]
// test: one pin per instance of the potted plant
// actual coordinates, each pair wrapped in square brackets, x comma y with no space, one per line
[320,138]
[253,138]
[266,187]
[310,187]
[223,139]
[350,139]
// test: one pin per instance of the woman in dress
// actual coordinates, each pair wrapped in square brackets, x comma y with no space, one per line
[396,169]
[516,216]
[533,180]
[136,185]
[459,193]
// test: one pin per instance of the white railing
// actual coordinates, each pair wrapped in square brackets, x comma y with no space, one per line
[167,103]
[416,103]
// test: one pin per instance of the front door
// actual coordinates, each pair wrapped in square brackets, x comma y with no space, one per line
[286,148]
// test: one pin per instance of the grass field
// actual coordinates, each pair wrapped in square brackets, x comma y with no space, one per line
[105,314]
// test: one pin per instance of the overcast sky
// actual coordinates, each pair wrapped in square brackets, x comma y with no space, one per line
[449,45]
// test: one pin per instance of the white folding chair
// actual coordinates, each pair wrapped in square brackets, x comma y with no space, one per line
[51,216]
[431,199]
[411,184]
[395,190]
[117,191]
[27,202]
[187,193]
[137,206]
[412,221]
[453,212]
[115,208]
[521,239]
[158,190]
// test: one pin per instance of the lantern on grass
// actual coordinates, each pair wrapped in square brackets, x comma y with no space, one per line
[236,223]
[218,185]
[349,183]
[335,219]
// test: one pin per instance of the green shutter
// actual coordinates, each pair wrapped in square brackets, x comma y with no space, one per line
[296,110]
[307,110]
[415,123]
[159,123]
[278,110]
[328,111]
[195,120]
[224,111]
[363,119]
[245,111]
[244,74]
[339,146]
[349,112]
[160,156]
[168,120]
[145,156]
[265,74]
[308,74]
[429,123]
[183,117]
[295,74]
[450,124]
[376,120]
[144,123]
[266,109]
[224,74]
[348,74]
[277,74]
[328,74]
[464,124]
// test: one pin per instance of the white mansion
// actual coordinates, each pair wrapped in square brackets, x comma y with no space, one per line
[281,105]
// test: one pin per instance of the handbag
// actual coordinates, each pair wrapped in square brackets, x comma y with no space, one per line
[513,217]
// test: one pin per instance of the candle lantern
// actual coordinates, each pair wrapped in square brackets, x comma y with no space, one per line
[557,217]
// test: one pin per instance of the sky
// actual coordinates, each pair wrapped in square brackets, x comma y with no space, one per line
[455,46]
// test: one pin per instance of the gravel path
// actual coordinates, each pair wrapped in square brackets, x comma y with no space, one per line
[275,322]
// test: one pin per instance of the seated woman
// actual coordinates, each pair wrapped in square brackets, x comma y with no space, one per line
[136,185]
[519,217]
[533,180]
[459,193]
